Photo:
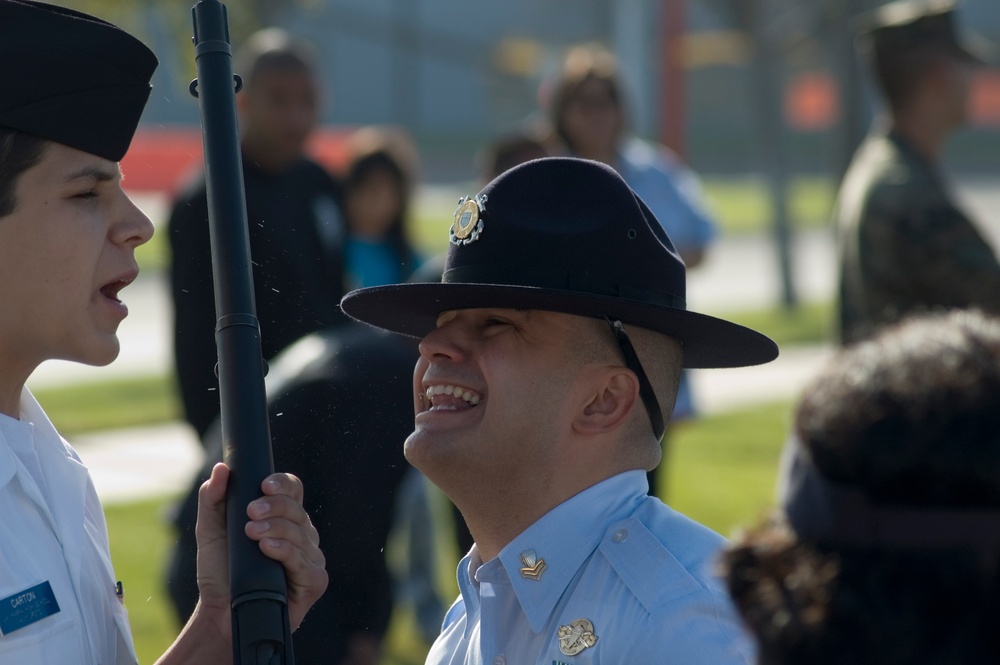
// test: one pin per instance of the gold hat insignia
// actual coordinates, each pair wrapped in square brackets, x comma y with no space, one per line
[468,224]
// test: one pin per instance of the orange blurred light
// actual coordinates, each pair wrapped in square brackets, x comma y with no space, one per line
[811,102]
[984,99]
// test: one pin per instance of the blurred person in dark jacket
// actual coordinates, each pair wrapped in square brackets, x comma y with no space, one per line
[905,245]
[295,224]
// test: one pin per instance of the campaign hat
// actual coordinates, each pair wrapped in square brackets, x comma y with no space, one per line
[923,24]
[564,235]
[71,78]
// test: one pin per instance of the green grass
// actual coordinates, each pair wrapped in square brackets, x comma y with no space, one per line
[743,205]
[140,538]
[808,323]
[719,470]
[155,254]
[111,404]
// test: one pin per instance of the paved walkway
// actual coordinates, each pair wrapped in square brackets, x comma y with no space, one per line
[739,274]
[140,463]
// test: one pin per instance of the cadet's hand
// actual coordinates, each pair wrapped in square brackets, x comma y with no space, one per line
[283,531]
[282,527]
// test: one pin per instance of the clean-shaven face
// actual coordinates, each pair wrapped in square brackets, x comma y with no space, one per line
[66,252]
[494,389]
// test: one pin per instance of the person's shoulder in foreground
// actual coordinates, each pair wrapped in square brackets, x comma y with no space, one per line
[550,359]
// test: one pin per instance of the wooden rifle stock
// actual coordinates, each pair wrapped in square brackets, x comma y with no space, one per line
[261,633]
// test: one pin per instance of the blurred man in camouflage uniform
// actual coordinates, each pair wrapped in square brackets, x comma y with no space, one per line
[904,245]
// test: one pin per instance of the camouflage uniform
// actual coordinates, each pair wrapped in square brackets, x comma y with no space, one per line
[904,246]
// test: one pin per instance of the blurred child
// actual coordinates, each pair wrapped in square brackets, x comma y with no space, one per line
[378,185]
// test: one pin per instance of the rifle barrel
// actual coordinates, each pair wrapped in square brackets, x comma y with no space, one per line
[261,633]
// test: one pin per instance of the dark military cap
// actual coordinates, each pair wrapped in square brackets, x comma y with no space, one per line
[71,78]
[563,235]
[908,24]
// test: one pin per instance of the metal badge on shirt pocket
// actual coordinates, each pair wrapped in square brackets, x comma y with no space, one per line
[576,637]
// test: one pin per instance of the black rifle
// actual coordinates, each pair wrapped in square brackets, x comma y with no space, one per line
[261,634]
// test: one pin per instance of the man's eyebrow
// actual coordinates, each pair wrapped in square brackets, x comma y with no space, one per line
[98,172]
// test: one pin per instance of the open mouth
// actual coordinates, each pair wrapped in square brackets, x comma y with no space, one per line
[111,289]
[447,397]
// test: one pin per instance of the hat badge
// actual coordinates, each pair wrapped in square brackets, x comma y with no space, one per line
[468,224]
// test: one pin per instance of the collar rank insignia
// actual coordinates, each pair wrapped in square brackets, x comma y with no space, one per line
[576,637]
[468,224]
[533,566]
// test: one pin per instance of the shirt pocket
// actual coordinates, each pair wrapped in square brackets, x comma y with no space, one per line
[124,647]
[54,639]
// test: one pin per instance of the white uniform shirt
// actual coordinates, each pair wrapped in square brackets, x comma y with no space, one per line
[625,580]
[53,531]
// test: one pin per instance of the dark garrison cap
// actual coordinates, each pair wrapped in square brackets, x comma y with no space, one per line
[905,24]
[563,235]
[71,78]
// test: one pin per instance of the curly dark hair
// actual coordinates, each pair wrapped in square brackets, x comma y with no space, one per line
[913,418]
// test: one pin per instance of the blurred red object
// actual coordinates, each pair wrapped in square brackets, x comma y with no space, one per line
[162,159]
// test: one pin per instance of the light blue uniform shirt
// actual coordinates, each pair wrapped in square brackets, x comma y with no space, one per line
[639,572]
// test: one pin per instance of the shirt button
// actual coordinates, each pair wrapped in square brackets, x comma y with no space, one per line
[620,536]
[500,660]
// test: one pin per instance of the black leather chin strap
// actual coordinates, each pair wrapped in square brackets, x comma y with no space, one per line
[645,387]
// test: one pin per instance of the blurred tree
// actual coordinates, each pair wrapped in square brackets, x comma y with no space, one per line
[776,29]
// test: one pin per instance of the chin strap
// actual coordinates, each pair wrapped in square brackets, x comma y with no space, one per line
[645,387]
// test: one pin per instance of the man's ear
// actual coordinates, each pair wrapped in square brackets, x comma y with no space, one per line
[609,405]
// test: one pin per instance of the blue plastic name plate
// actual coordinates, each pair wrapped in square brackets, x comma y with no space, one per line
[26,607]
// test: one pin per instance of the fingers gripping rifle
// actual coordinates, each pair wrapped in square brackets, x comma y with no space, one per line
[261,632]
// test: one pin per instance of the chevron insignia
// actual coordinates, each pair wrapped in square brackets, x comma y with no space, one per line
[533,566]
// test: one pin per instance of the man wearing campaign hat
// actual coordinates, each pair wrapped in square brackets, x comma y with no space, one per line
[904,244]
[72,88]
[549,362]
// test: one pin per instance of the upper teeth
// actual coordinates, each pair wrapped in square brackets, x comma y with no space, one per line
[458,391]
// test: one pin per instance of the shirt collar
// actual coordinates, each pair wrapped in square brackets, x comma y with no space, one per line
[562,540]
[468,586]
[10,428]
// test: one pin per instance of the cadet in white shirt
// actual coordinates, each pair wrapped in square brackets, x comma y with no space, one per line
[72,88]
[549,364]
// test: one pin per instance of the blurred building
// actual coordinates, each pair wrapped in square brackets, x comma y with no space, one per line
[456,73]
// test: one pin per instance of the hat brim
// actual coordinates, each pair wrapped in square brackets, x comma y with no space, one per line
[413,309]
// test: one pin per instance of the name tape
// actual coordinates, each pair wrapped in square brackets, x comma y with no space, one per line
[27,607]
